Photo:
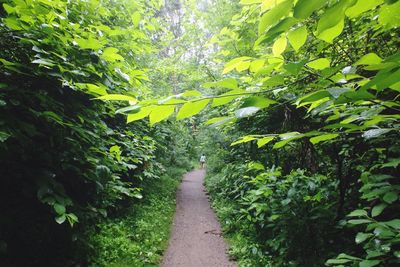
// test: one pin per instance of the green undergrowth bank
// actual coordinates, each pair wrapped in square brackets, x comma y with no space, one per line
[240,236]
[140,237]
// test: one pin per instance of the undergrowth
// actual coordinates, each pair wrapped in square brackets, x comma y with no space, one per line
[140,237]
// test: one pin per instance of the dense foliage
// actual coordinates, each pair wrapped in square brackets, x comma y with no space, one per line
[69,164]
[304,161]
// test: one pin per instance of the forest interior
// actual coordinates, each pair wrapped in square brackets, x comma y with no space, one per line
[106,104]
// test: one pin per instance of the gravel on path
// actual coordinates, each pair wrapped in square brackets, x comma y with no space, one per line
[196,239]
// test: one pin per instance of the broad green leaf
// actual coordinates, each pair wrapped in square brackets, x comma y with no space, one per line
[373,133]
[246,112]
[357,213]
[319,64]
[361,237]
[369,59]
[329,34]
[110,54]
[61,219]
[92,88]
[89,43]
[298,37]
[257,101]
[140,114]
[378,209]
[279,46]
[229,83]
[159,113]
[272,16]
[265,140]
[287,138]
[362,6]
[395,223]
[369,263]
[214,120]
[136,17]
[117,97]
[45,62]
[191,108]
[359,221]
[333,16]
[336,92]
[243,65]
[390,197]
[256,65]
[321,138]
[389,15]
[304,8]
[244,139]
[231,65]
[268,4]
[60,209]
[337,261]
[226,97]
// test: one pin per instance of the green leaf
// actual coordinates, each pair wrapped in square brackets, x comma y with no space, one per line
[362,6]
[304,8]
[226,97]
[361,237]
[244,139]
[272,16]
[373,133]
[319,64]
[279,46]
[298,37]
[337,261]
[333,16]
[191,108]
[357,213]
[325,137]
[257,101]
[117,97]
[89,43]
[265,140]
[369,263]
[390,197]
[159,113]
[61,219]
[229,83]
[369,59]
[214,122]
[329,34]
[246,112]
[378,209]
[359,221]
[4,136]
[92,88]
[45,62]
[389,15]
[60,209]
[140,114]
[110,54]
[231,65]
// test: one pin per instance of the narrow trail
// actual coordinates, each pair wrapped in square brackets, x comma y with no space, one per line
[196,235]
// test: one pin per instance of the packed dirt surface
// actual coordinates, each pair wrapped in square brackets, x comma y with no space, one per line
[196,235]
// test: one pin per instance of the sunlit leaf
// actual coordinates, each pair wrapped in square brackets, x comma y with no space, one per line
[191,108]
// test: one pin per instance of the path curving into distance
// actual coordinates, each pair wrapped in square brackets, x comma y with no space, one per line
[196,239]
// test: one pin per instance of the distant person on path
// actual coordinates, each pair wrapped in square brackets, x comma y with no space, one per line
[202,161]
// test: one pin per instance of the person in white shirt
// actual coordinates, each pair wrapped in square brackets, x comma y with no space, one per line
[202,161]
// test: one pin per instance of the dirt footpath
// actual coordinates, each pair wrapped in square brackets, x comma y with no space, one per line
[196,235]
